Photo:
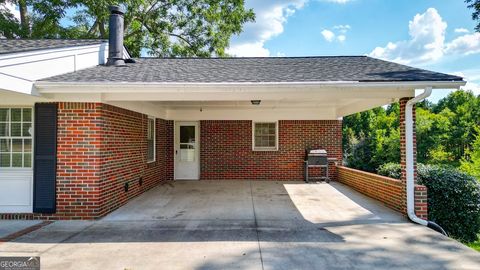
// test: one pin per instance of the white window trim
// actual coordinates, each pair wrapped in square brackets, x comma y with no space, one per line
[22,137]
[265,148]
[154,139]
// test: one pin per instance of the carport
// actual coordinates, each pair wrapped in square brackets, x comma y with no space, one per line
[245,225]
[268,203]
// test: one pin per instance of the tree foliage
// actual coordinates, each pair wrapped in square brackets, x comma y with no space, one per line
[372,138]
[162,28]
[471,162]
[475,5]
[447,134]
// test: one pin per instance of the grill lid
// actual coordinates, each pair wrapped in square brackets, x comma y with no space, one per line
[318,152]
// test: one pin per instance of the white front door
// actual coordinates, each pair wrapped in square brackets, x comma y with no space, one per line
[16,148]
[187,154]
[16,186]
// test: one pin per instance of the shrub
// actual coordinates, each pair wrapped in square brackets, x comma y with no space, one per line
[393,170]
[453,200]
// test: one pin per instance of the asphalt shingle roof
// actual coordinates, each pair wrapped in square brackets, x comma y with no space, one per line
[25,45]
[273,69]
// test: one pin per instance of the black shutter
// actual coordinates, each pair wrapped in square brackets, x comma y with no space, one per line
[45,158]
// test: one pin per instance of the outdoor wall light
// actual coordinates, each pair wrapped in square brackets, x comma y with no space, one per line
[255,102]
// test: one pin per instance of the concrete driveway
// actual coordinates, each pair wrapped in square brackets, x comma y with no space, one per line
[245,225]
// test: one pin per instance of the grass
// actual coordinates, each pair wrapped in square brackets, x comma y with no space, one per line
[475,245]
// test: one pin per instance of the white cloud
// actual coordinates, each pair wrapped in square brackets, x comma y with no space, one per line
[338,1]
[473,79]
[474,86]
[271,15]
[427,42]
[328,35]
[339,33]
[466,44]
[461,30]
[342,28]
[249,49]
[13,9]
[427,37]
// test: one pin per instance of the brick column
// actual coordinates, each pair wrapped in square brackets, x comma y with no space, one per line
[420,191]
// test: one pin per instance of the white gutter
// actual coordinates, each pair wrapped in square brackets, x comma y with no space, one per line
[435,84]
[410,164]
[410,155]
[119,87]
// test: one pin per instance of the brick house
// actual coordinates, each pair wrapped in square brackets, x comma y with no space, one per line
[84,128]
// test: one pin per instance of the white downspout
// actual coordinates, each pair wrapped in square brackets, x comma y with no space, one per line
[410,156]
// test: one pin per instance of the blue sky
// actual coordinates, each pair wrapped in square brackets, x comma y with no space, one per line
[432,34]
[435,35]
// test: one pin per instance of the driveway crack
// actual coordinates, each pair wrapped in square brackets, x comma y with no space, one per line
[67,238]
[256,225]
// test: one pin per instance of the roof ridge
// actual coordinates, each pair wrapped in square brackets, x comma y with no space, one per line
[417,68]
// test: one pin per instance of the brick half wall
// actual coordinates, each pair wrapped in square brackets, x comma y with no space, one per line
[387,190]
[226,149]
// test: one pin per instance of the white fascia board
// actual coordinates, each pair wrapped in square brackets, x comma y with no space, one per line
[119,87]
[274,94]
[16,84]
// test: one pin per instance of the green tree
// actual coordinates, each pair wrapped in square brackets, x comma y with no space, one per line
[463,110]
[372,138]
[163,28]
[433,132]
[445,133]
[471,162]
[475,5]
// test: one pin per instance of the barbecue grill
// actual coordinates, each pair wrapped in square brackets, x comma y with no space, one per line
[316,158]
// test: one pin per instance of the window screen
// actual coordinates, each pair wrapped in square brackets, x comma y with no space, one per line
[265,136]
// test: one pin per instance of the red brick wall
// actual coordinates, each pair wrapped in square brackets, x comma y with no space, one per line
[387,190]
[421,204]
[99,149]
[79,130]
[226,149]
[124,156]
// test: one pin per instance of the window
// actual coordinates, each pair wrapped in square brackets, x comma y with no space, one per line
[151,140]
[265,136]
[16,137]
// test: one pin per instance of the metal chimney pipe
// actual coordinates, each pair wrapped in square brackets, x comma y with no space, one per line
[115,37]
